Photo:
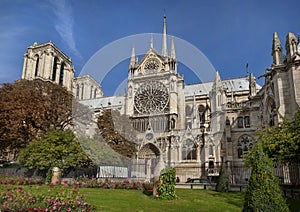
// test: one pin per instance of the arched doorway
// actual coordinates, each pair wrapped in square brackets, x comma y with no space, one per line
[146,161]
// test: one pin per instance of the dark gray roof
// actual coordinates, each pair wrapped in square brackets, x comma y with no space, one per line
[237,84]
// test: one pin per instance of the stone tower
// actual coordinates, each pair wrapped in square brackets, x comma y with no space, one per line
[47,62]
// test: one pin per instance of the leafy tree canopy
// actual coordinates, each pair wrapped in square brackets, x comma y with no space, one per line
[29,108]
[56,148]
[282,142]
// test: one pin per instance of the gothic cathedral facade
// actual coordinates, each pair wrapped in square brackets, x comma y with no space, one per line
[195,128]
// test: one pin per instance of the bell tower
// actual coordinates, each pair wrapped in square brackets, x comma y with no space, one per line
[47,62]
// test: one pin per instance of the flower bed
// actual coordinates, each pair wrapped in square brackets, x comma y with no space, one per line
[58,199]
[85,182]
[6,179]
[21,195]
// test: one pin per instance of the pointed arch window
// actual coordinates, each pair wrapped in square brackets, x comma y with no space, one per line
[201,110]
[91,93]
[189,150]
[61,75]
[36,67]
[211,150]
[82,90]
[77,91]
[95,93]
[188,110]
[54,69]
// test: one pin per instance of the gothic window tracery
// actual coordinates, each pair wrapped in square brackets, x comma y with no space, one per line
[189,150]
[201,110]
[151,65]
[151,97]
[244,144]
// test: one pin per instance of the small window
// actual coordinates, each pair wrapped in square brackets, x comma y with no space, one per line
[247,121]
[244,144]
[240,122]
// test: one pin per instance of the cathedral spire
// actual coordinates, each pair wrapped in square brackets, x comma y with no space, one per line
[164,50]
[217,80]
[276,50]
[132,58]
[172,49]
[290,45]
[151,41]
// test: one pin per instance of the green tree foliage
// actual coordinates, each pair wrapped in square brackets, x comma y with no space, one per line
[166,188]
[223,182]
[263,190]
[282,142]
[117,132]
[56,148]
[29,108]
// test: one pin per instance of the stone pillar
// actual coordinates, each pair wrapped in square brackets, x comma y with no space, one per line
[56,177]
[24,72]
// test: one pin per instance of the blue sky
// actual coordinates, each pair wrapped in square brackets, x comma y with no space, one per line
[230,33]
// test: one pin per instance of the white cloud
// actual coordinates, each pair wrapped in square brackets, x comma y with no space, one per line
[64,24]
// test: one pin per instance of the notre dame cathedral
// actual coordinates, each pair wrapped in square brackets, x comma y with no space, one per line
[195,128]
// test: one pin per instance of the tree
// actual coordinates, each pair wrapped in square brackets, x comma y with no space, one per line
[282,142]
[117,132]
[263,190]
[56,148]
[29,108]
[223,182]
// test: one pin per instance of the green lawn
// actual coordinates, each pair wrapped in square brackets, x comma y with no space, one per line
[136,200]
[188,200]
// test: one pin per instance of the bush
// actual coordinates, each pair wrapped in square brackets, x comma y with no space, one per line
[222,183]
[263,190]
[166,187]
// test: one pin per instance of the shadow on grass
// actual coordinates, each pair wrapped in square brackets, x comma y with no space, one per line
[148,193]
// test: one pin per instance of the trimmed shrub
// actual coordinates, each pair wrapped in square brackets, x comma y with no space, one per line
[263,190]
[166,187]
[222,183]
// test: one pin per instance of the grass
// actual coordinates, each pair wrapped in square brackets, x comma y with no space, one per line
[114,200]
[188,200]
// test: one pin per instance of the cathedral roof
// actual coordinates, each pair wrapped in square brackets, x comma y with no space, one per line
[236,84]
[104,102]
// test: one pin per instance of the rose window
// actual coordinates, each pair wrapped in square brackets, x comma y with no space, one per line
[151,97]
[151,65]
